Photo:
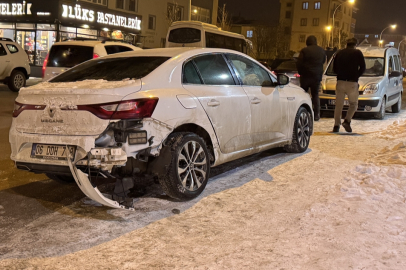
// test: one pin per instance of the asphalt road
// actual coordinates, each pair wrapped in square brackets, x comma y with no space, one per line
[39,217]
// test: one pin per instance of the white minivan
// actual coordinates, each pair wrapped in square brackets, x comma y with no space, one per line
[380,87]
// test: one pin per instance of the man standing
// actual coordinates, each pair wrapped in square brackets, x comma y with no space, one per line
[349,65]
[310,67]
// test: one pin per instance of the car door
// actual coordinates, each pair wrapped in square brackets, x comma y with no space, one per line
[5,62]
[393,81]
[398,86]
[209,78]
[268,103]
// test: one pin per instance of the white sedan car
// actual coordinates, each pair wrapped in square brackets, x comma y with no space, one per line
[165,113]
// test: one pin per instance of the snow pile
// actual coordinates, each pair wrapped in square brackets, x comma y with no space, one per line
[395,131]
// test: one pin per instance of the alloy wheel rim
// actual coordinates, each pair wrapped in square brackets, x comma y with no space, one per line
[192,166]
[303,129]
[18,81]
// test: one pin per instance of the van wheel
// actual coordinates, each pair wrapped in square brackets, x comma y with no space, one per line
[381,114]
[189,169]
[398,106]
[61,179]
[16,81]
[301,132]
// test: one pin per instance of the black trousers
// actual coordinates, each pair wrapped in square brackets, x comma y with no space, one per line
[314,86]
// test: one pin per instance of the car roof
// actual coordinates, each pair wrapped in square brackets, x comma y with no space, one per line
[376,51]
[89,43]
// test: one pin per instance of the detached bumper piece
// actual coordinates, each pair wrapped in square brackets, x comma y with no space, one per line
[84,183]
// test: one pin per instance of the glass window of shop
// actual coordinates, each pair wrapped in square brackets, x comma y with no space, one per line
[72,33]
[7,30]
[46,37]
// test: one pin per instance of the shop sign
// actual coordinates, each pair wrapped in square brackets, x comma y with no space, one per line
[15,9]
[88,15]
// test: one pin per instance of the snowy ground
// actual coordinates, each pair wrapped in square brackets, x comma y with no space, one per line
[341,205]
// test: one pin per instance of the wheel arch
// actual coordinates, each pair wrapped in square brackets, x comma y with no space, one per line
[23,70]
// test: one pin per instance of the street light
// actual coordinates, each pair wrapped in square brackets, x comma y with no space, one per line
[400,43]
[334,13]
[393,26]
[328,29]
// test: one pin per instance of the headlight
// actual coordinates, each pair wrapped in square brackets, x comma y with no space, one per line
[321,88]
[371,88]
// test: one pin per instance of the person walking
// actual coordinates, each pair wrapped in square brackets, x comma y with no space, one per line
[310,67]
[349,65]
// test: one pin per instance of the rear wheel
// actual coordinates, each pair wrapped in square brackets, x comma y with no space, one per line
[301,132]
[381,114]
[16,81]
[189,169]
[62,179]
[398,106]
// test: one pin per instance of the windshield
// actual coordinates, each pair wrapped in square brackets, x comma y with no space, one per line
[287,65]
[185,35]
[113,69]
[375,66]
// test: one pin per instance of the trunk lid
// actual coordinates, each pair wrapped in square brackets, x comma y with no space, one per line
[60,116]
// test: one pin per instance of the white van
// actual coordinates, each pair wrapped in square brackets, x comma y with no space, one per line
[380,87]
[204,35]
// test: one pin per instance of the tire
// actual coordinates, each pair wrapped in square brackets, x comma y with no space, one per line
[398,106]
[62,179]
[301,132]
[186,177]
[16,81]
[381,114]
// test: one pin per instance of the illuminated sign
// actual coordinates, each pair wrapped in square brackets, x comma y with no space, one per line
[88,15]
[15,9]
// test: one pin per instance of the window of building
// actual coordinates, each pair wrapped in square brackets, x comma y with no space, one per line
[376,36]
[132,5]
[350,11]
[250,33]
[337,24]
[316,22]
[201,14]
[151,22]
[366,36]
[120,4]
[305,5]
[303,22]
[302,38]
[174,12]
[288,14]
[317,5]
[345,10]
[288,4]
[100,2]
[287,30]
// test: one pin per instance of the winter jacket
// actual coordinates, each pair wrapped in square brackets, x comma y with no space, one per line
[311,60]
[349,64]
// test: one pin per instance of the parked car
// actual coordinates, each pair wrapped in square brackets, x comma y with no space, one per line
[67,54]
[288,68]
[380,87]
[171,113]
[14,64]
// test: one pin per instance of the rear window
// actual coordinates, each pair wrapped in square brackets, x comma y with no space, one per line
[113,69]
[185,35]
[288,65]
[69,55]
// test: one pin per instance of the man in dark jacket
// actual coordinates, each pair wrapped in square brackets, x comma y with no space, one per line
[349,65]
[310,67]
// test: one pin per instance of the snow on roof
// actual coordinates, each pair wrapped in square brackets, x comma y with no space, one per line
[373,51]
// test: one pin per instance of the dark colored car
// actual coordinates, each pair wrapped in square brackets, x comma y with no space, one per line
[288,67]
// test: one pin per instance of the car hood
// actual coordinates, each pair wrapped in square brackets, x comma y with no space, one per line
[329,82]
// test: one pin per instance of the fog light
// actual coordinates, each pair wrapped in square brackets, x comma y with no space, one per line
[137,137]
[368,108]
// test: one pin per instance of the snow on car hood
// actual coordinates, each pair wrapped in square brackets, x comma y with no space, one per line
[329,82]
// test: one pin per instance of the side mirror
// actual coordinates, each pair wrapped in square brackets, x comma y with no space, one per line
[282,79]
[395,74]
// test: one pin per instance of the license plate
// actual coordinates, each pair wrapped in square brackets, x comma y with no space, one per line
[54,152]
[333,102]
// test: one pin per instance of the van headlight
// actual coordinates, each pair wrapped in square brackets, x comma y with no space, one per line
[371,88]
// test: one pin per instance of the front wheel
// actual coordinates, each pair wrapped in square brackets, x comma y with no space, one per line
[17,81]
[189,169]
[398,106]
[301,132]
[381,114]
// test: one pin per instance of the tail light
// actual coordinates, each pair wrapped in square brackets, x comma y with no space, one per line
[273,72]
[297,75]
[19,108]
[95,55]
[128,109]
[44,66]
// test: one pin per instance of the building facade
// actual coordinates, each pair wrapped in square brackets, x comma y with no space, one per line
[302,18]
[37,24]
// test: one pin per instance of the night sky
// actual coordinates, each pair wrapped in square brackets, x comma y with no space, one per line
[373,15]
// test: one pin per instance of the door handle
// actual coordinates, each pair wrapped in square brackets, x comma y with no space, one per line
[255,101]
[213,103]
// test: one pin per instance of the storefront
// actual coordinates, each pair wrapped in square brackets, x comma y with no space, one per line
[37,24]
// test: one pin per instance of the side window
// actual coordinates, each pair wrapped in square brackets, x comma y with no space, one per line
[250,73]
[390,66]
[2,50]
[124,49]
[112,49]
[12,48]
[214,70]
[396,60]
[190,74]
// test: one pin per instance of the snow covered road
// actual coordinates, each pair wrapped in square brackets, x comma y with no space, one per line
[341,205]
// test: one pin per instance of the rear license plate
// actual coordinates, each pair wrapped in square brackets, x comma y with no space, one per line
[54,152]
[333,102]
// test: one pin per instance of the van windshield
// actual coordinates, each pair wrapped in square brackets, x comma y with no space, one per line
[112,69]
[185,35]
[375,66]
